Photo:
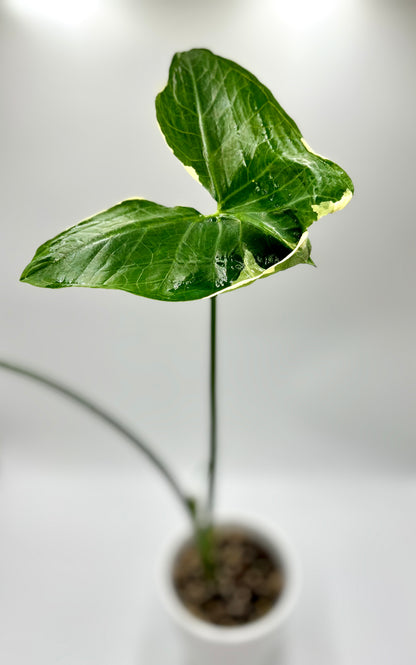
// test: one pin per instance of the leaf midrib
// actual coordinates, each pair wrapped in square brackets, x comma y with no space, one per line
[203,134]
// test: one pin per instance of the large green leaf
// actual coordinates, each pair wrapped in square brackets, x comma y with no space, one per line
[231,133]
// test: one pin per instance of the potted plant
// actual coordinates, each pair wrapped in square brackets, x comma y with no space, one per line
[270,186]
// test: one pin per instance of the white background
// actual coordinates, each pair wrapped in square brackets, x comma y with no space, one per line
[316,366]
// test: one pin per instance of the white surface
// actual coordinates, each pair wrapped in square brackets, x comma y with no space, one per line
[76,554]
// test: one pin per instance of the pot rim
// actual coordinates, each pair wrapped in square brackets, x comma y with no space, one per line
[279,546]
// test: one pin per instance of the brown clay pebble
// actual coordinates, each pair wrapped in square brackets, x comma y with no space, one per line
[246,585]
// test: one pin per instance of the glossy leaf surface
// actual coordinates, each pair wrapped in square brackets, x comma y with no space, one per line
[225,126]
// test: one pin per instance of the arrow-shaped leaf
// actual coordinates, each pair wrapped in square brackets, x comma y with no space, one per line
[225,126]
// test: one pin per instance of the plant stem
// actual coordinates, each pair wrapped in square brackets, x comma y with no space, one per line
[204,529]
[187,502]
[212,465]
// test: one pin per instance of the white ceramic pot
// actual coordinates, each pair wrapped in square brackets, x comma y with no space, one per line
[253,643]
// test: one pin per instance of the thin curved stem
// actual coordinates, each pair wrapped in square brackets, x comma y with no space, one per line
[212,464]
[187,502]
